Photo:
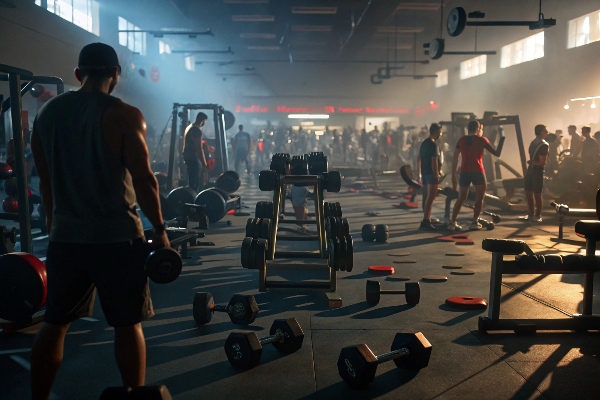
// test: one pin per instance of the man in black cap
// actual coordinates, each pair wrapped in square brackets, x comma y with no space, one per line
[92,160]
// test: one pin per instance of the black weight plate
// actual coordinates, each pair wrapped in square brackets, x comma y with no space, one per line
[260,254]
[368,233]
[381,233]
[334,181]
[202,307]
[408,177]
[178,197]
[342,254]
[373,292]
[268,210]
[268,180]
[265,229]
[229,181]
[413,292]
[345,227]
[214,204]
[331,256]
[259,210]
[339,227]
[245,253]
[23,286]
[349,253]
[250,227]
[338,209]
[337,251]
[252,254]
[165,206]
[436,48]
[331,227]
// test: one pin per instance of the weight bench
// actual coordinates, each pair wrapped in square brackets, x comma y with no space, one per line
[564,211]
[548,264]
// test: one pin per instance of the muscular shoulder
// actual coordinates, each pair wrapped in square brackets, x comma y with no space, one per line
[124,115]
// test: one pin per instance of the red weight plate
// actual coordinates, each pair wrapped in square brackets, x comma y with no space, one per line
[381,269]
[467,303]
[23,286]
[445,239]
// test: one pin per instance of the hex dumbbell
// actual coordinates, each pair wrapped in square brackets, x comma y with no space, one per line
[242,309]
[357,365]
[412,292]
[244,349]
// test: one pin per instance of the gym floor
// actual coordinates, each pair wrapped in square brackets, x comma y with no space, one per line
[465,364]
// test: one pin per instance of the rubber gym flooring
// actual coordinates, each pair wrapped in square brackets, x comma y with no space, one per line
[464,364]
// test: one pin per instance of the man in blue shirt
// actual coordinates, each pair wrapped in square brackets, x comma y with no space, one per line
[429,164]
[241,148]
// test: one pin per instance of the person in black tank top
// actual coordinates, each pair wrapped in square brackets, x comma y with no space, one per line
[193,153]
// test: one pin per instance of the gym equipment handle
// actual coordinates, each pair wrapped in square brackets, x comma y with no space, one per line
[273,338]
[301,179]
[392,355]
[392,291]
[218,307]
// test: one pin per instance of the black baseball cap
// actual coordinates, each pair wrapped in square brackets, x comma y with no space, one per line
[96,56]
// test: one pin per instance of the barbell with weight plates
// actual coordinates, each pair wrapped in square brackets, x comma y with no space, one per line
[357,365]
[242,309]
[244,349]
[412,292]
[175,200]
[216,203]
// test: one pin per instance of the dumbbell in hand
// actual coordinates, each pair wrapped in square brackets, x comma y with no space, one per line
[412,292]
[242,309]
[357,365]
[243,349]
[163,265]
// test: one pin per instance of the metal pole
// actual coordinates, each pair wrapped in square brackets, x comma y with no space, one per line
[172,149]
[218,142]
[520,143]
[22,187]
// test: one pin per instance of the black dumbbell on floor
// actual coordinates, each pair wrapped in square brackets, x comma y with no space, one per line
[164,265]
[357,365]
[489,225]
[244,349]
[379,233]
[242,309]
[412,292]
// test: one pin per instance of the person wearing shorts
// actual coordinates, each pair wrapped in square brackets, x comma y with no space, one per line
[429,163]
[299,196]
[534,177]
[470,149]
[91,156]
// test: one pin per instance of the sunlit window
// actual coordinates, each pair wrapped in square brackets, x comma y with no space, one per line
[163,48]
[524,50]
[83,13]
[442,78]
[584,30]
[473,67]
[190,63]
[134,41]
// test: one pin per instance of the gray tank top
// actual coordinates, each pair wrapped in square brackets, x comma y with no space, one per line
[93,196]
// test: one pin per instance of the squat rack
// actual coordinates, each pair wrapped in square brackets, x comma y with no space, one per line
[221,154]
[13,76]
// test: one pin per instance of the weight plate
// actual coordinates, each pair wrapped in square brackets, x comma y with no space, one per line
[202,307]
[229,182]
[463,272]
[245,254]
[408,177]
[342,253]
[368,233]
[456,22]
[214,204]
[268,180]
[23,286]
[334,181]
[265,226]
[260,209]
[338,209]
[177,198]
[164,265]
[349,253]
[339,228]
[436,48]
[331,254]
[257,228]
[413,292]
[260,257]
[326,210]
[345,227]
[268,210]
[467,302]
[250,227]
[373,292]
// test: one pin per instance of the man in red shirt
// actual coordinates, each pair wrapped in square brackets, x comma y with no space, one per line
[470,148]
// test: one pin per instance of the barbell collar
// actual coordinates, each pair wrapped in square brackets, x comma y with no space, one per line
[392,355]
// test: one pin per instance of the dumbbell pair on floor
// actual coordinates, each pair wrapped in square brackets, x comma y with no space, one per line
[379,233]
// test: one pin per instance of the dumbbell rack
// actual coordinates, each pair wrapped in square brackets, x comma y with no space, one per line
[331,286]
[577,322]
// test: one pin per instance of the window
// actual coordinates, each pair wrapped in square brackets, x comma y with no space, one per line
[190,63]
[83,13]
[442,78]
[163,48]
[584,30]
[473,67]
[524,50]
[134,41]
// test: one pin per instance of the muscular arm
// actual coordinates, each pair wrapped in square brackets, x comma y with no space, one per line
[200,151]
[44,174]
[125,135]
[498,150]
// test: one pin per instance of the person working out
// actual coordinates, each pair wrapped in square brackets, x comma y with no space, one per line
[534,177]
[92,160]
[193,153]
[470,148]
[429,164]
[241,148]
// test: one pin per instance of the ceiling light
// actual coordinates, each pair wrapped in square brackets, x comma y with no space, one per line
[257,36]
[253,18]
[314,10]
[308,116]
[393,29]
[419,6]
[311,28]
[266,48]
[567,106]
[593,105]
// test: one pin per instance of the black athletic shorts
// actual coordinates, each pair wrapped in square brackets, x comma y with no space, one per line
[116,270]
[534,180]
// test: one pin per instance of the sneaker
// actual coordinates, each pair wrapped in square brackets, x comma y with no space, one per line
[536,219]
[427,226]
[475,226]
[453,226]
[528,217]
[434,220]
